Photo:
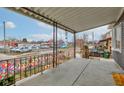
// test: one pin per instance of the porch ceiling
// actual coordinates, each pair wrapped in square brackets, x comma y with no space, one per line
[73,19]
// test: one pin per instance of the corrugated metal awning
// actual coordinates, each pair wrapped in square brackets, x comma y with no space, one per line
[73,19]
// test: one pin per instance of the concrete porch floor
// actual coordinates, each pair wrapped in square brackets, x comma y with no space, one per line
[76,72]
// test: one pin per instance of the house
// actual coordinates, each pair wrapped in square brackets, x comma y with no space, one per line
[106,42]
[59,43]
[118,41]
[9,43]
[79,43]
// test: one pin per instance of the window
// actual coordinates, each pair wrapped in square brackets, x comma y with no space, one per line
[116,41]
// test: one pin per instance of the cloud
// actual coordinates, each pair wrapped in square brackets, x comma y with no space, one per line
[45,37]
[44,25]
[41,37]
[90,38]
[61,34]
[10,25]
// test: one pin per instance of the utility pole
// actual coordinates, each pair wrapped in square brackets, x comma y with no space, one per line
[93,38]
[4,30]
[66,37]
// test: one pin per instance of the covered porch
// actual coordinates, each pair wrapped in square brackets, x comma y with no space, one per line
[75,71]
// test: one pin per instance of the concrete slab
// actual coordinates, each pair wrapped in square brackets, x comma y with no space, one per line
[81,72]
[98,73]
[65,74]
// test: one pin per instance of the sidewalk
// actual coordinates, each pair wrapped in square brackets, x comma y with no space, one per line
[4,56]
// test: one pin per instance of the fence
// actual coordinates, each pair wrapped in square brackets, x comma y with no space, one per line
[12,70]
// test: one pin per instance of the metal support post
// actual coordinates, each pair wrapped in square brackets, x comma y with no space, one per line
[56,43]
[53,45]
[74,45]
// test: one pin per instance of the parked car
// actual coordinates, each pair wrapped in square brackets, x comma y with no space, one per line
[1,47]
[26,49]
[21,49]
[63,46]
[94,52]
[14,49]
[34,47]
[44,47]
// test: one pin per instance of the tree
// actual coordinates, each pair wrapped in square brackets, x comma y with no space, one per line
[85,38]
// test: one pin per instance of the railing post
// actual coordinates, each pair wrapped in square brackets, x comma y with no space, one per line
[43,63]
[50,60]
[41,67]
[34,64]
[14,72]
[74,45]
[25,67]
[38,63]
[7,70]
[20,68]
[47,62]
[30,65]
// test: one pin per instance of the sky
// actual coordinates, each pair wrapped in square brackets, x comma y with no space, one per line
[98,32]
[19,26]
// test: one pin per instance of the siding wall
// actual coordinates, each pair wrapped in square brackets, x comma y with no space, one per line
[119,57]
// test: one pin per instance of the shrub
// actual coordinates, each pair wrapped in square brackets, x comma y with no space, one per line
[7,81]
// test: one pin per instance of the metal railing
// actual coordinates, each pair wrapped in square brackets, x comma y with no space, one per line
[12,70]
